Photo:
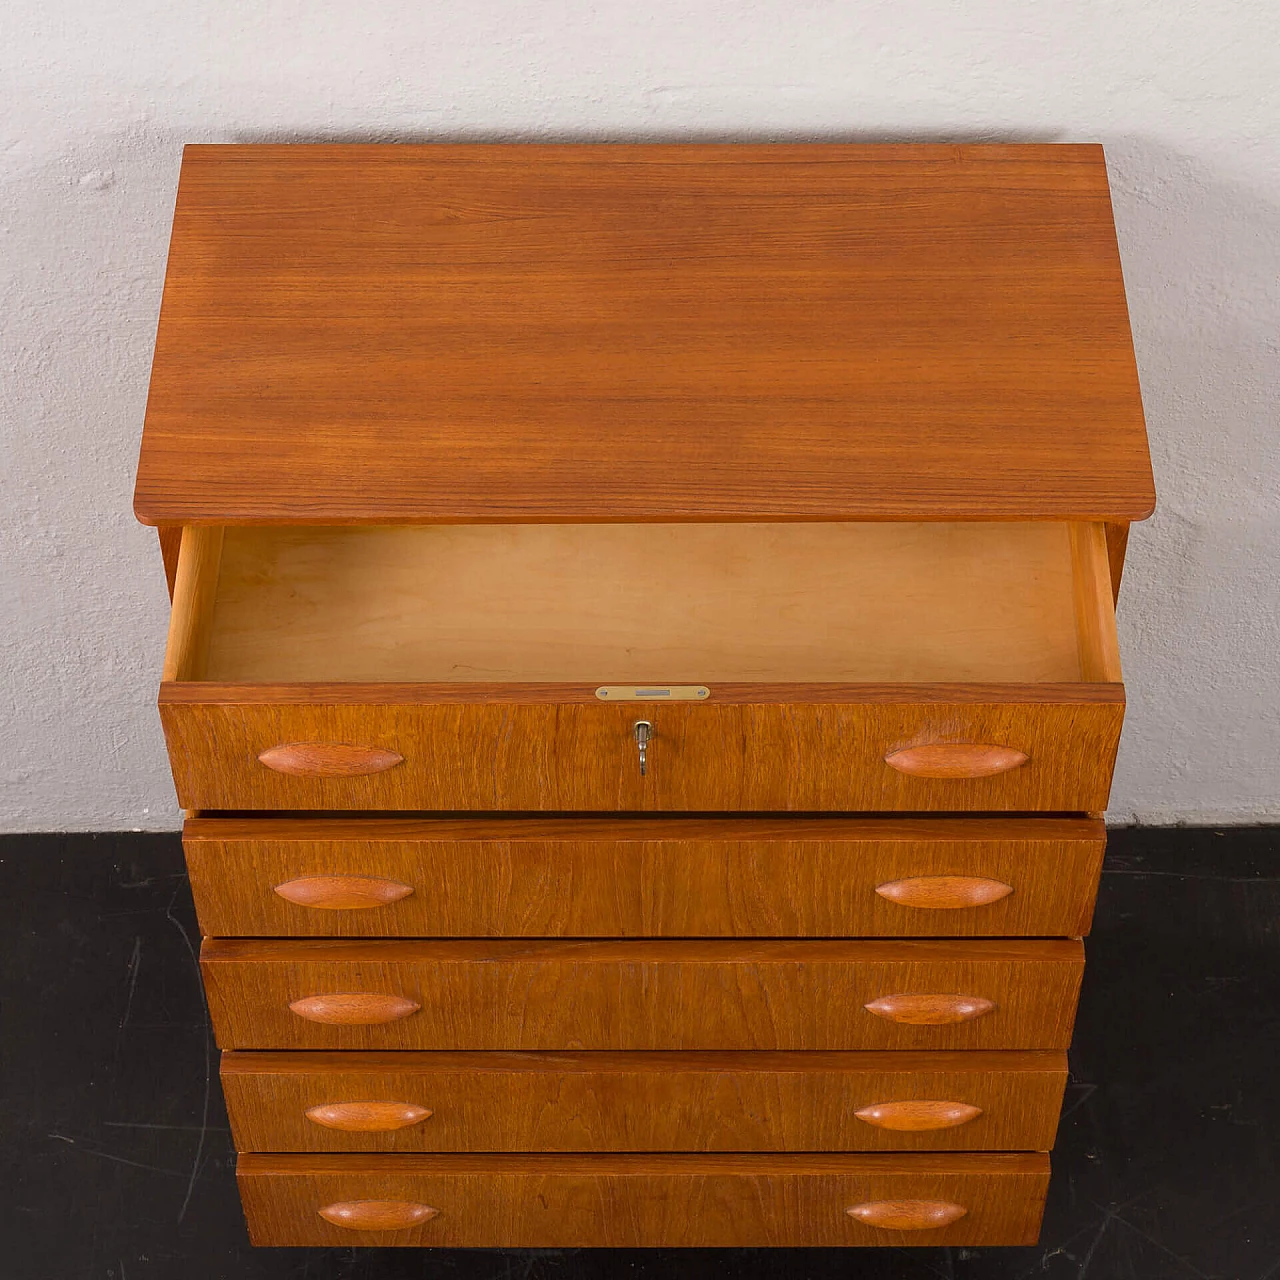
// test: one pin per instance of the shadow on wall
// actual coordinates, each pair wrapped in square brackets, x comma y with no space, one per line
[1200,609]
[691,135]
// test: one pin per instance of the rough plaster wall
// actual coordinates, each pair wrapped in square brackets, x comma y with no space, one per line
[97,99]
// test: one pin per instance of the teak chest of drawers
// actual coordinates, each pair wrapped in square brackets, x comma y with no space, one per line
[643,678]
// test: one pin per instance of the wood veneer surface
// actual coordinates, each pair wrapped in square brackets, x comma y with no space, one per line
[689,877]
[657,1101]
[400,334]
[557,747]
[643,1200]
[644,994]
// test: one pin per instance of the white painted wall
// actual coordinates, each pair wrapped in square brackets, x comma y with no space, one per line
[97,98]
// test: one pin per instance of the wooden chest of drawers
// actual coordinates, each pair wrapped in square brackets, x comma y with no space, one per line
[643,678]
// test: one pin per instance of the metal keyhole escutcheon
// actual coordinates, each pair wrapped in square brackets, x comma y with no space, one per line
[643,732]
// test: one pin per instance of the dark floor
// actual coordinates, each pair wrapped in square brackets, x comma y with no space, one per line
[117,1162]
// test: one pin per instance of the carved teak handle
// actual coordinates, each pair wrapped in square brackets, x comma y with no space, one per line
[944,893]
[907,1215]
[929,1010]
[354,1008]
[328,759]
[955,760]
[377,1215]
[368,1117]
[343,893]
[918,1115]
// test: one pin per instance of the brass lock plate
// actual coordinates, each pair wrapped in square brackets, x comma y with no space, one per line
[652,692]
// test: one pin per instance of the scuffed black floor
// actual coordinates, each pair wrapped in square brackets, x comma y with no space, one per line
[117,1163]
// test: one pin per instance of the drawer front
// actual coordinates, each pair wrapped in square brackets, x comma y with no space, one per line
[410,1102]
[638,1201]
[747,748]
[662,994]
[378,877]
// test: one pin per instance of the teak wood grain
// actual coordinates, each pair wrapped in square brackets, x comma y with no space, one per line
[651,877]
[557,747]
[637,1201]
[652,994]
[656,1101]
[399,334]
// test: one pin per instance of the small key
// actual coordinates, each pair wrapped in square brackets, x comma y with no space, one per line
[643,732]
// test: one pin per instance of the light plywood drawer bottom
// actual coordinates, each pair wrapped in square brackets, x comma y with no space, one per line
[616,1201]
[542,1102]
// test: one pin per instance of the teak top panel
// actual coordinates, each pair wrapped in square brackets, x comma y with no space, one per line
[423,334]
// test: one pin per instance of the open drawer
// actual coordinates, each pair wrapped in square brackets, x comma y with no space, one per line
[771,667]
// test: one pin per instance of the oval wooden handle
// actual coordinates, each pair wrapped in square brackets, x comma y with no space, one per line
[328,759]
[943,893]
[907,1215]
[343,893]
[955,760]
[919,1115]
[354,1008]
[377,1215]
[367,1117]
[929,1010]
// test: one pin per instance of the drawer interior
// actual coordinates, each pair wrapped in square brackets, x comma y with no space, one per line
[630,603]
